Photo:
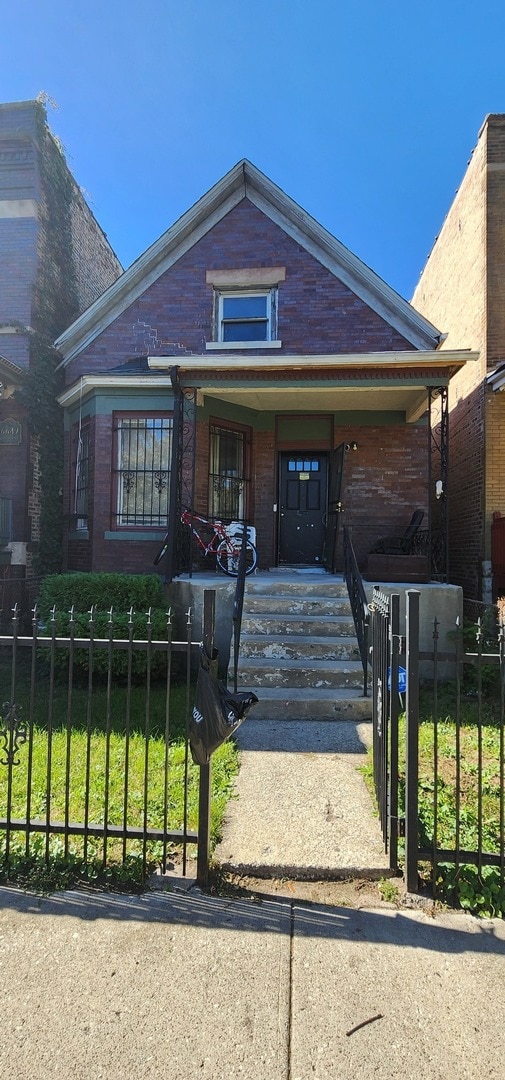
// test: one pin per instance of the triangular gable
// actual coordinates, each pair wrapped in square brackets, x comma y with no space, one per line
[246,181]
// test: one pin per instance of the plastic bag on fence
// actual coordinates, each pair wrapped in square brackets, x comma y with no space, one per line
[217,712]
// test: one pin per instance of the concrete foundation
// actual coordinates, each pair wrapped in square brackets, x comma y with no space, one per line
[436,600]
[186,594]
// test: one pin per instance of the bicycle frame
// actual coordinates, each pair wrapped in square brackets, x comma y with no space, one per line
[227,549]
[219,533]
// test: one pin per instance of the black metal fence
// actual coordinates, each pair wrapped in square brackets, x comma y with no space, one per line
[439,751]
[386,642]
[19,592]
[94,747]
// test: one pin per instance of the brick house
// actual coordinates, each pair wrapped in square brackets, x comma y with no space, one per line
[249,366]
[462,288]
[54,261]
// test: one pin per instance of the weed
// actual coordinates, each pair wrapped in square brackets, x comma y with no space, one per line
[388,890]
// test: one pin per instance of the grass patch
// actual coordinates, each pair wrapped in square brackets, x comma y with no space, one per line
[88,737]
[477,826]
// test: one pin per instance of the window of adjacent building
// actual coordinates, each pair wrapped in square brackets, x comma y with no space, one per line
[246,316]
[5,521]
[228,473]
[143,454]
[81,483]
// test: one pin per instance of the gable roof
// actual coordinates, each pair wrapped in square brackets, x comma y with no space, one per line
[246,181]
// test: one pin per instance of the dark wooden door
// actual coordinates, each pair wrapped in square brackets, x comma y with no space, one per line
[336,463]
[302,509]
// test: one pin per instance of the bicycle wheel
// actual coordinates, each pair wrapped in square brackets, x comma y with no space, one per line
[228,555]
[163,550]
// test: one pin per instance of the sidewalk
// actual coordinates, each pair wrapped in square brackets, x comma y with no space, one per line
[180,985]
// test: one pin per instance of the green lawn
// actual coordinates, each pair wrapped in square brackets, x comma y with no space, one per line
[81,743]
[477,822]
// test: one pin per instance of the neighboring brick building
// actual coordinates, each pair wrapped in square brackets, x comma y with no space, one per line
[251,343]
[462,288]
[54,261]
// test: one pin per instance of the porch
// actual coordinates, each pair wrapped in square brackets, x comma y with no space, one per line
[300,447]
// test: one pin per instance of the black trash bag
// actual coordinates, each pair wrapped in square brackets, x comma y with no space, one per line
[217,713]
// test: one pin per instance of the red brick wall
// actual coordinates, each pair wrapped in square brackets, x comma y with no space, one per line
[317,313]
[451,293]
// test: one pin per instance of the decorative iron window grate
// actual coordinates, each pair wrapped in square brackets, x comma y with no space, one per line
[144,447]
[227,480]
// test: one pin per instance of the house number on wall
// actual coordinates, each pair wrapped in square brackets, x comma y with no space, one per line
[10,432]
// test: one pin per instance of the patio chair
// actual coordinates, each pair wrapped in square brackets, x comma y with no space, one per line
[400,545]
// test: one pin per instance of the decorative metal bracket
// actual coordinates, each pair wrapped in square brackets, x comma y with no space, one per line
[13,733]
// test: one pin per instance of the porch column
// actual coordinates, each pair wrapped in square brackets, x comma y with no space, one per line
[182,473]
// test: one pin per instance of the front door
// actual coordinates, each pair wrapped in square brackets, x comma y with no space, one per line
[302,508]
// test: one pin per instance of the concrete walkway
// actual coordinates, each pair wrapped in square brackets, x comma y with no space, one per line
[302,808]
[182,986]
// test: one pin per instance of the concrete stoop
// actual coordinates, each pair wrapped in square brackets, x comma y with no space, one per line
[298,649]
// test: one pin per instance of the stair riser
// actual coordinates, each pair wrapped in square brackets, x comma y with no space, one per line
[255,587]
[296,606]
[303,650]
[271,627]
[302,678]
[312,710]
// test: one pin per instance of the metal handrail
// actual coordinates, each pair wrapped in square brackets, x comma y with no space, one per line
[238,604]
[359,603]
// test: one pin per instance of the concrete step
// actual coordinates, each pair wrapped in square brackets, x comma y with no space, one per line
[256,672]
[302,625]
[308,703]
[304,649]
[298,649]
[272,585]
[267,604]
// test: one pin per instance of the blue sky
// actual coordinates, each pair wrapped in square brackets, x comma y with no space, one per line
[364,112]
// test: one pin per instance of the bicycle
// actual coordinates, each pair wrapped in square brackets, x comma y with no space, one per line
[227,547]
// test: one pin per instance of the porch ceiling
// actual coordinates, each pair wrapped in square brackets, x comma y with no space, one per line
[411,400]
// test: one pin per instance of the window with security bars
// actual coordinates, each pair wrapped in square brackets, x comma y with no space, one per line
[227,475]
[5,521]
[144,446]
[81,479]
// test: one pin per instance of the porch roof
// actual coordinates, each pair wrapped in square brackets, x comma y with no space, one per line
[375,382]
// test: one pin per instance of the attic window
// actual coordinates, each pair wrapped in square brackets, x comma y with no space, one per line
[245,316]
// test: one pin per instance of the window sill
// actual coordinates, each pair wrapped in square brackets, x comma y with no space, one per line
[141,534]
[78,534]
[219,346]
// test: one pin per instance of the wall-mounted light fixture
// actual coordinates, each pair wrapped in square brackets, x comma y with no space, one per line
[351,446]
[439,489]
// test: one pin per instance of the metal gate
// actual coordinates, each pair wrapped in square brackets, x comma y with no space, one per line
[386,649]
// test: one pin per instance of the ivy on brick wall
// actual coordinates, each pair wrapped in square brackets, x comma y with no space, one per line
[55,307]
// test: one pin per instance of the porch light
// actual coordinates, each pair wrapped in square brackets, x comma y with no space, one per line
[439,489]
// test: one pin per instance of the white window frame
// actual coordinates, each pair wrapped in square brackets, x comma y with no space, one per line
[268,342]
